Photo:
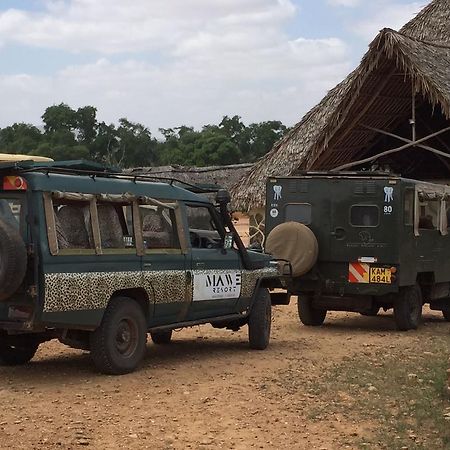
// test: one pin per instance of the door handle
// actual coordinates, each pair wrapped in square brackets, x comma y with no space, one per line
[338,233]
[200,264]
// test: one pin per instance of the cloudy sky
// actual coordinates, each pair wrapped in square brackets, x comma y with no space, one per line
[171,62]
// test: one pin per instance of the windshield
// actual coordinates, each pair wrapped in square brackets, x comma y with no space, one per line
[10,209]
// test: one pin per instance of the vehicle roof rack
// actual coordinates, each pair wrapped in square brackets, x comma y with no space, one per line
[92,169]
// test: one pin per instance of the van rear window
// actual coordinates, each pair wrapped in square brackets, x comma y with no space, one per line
[298,212]
[364,216]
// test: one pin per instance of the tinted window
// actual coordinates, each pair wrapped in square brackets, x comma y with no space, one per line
[364,216]
[298,212]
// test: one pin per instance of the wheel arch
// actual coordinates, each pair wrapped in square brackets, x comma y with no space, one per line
[141,297]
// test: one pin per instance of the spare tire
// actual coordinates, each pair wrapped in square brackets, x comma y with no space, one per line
[13,260]
[295,243]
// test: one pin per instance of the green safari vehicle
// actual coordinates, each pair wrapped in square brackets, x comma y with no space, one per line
[99,259]
[362,241]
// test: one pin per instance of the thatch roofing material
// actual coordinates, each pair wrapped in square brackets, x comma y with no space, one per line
[375,94]
[224,176]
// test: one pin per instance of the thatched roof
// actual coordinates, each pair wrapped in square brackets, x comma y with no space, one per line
[378,94]
[223,176]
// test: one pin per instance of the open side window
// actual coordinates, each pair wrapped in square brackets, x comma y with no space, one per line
[430,211]
[205,229]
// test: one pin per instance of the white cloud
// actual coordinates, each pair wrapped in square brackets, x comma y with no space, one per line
[278,83]
[112,26]
[347,3]
[213,58]
[388,15]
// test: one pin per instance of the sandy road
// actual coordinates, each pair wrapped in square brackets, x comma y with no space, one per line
[204,390]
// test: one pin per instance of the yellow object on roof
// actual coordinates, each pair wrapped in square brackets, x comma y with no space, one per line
[11,158]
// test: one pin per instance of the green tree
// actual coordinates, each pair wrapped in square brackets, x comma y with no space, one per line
[59,117]
[86,120]
[20,138]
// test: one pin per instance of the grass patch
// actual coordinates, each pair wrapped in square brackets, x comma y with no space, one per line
[402,393]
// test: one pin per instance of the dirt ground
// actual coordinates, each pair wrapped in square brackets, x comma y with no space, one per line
[205,390]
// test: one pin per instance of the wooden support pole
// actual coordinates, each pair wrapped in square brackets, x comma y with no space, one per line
[395,150]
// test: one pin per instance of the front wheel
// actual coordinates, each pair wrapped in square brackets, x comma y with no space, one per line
[309,315]
[118,344]
[260,321]
[408,308]
[16,355]
[446,314]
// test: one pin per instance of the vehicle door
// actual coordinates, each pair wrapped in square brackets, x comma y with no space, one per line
[216,272]
[365,215]
[164,260]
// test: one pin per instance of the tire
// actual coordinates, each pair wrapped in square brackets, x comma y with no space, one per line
[161,337]
[446,314]
[296,243]
[408,308]
[13,260]
[260,321]
[309,315]
[118,345]
[17,355]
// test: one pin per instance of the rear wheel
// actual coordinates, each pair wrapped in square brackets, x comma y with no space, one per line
[118,344]
[161,337]
[408,308]
[309,315]
[260,321]
[16,355]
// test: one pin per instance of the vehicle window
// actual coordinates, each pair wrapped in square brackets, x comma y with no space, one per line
[203,231]
[115,232]
[158,227]
[429,214]
[73,225]
[10,211]
[364,216]
[408,207]
[298,212]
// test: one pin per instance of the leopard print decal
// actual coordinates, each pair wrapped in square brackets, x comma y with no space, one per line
[92,290]
[251,277]
[84,291]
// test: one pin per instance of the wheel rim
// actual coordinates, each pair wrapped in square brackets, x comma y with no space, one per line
[126,337]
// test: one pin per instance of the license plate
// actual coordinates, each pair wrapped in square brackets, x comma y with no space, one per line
[380,275]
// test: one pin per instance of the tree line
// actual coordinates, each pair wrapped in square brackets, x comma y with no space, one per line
[77,134]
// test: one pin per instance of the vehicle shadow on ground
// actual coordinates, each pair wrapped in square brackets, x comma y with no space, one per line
[76,365]
[382,323]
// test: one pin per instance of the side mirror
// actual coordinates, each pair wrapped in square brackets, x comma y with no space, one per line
[223,197]
[228,241]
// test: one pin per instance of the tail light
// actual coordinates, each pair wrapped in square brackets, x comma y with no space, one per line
[13,183]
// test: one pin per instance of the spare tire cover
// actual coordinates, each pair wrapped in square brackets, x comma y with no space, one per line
[13,259]
[295,243]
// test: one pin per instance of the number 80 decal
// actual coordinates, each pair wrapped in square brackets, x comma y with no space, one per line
[388,209]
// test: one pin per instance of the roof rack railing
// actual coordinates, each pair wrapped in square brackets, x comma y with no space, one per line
[198,189]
